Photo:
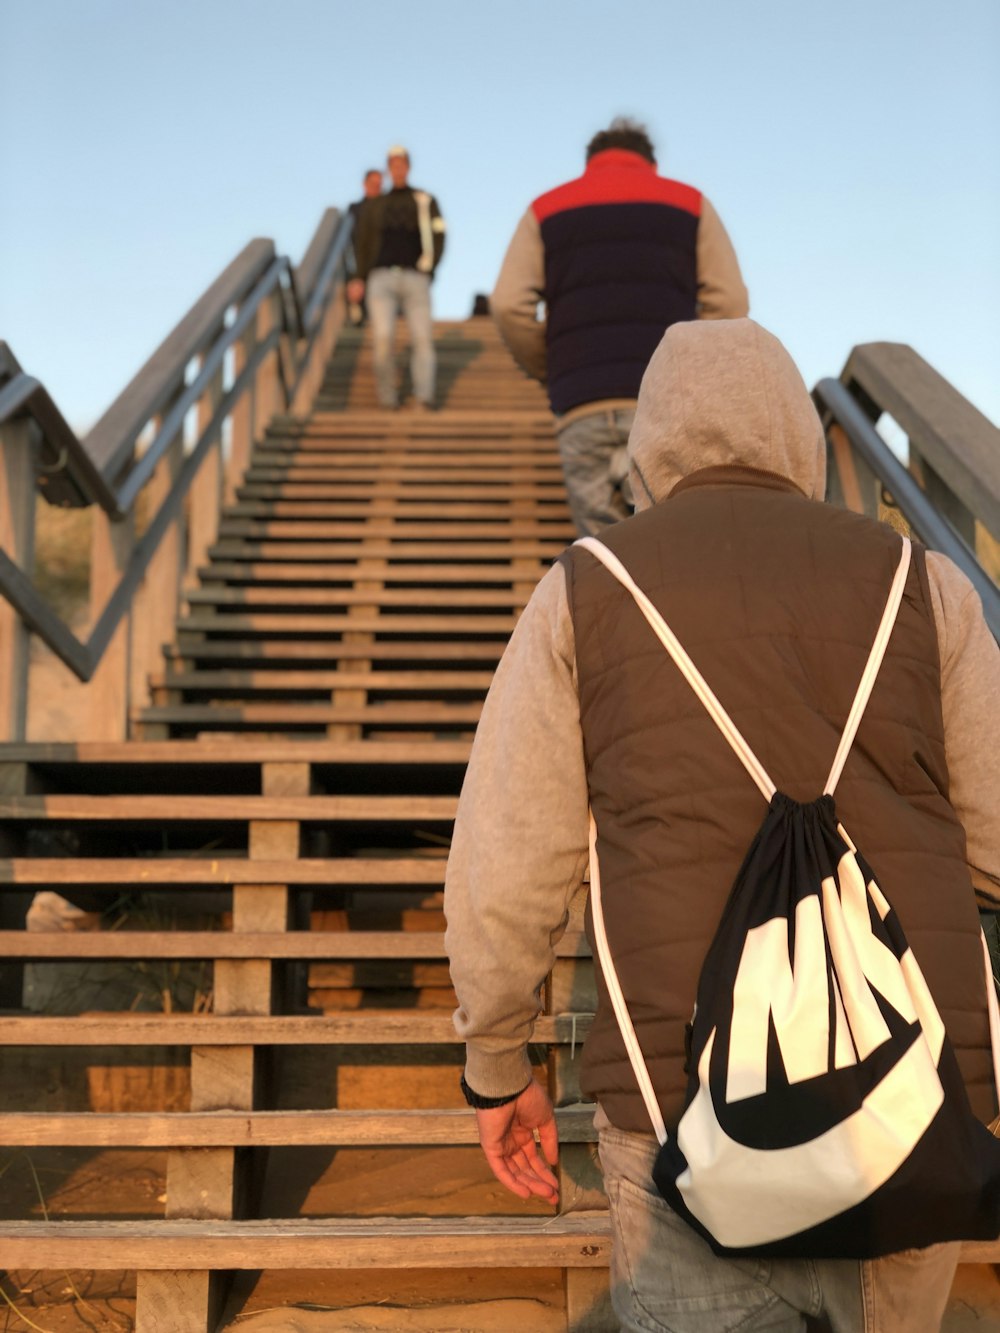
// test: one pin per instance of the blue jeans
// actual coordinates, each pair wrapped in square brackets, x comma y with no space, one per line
[391,292]
[595,465]
[666,1279]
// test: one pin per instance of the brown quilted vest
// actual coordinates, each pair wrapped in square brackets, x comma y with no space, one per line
[777,599]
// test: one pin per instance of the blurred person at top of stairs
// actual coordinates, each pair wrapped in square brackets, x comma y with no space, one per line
[372,186]
[398,247]
[617,256]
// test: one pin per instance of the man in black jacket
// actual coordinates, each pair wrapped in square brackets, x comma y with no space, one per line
[617,256]
[399,245]
[372,190]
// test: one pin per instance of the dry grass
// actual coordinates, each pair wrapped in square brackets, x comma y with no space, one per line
[62,558]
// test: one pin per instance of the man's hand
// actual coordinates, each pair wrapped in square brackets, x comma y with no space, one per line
[356,290]
[507,1135]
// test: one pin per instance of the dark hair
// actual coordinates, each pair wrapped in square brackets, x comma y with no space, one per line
[623,133]
[372,171]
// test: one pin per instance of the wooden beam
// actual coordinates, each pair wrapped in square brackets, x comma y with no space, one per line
[329,598]
[267,623]
[178,1302]
[220,944]
[239,808]
[179,872]
[155,604]
[106,715]
[254,1129]
[221,752]
[384,1027]
[579,1240]
[18,452]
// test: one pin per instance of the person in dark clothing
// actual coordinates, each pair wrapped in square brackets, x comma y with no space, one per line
[399,245]
[617,256]
[372,185]
[776,596]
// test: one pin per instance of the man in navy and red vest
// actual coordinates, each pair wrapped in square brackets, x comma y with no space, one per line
[617,256]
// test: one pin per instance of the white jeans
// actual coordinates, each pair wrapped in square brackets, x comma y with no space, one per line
[666,1279]
[391,292]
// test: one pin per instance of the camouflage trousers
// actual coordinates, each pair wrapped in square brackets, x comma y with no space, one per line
[595,465]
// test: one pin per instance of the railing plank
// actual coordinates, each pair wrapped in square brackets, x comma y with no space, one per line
[956,439]
[110,441]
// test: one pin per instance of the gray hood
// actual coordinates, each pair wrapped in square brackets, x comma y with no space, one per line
[717,392]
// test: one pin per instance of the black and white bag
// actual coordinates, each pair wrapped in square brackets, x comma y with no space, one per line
[825,1114]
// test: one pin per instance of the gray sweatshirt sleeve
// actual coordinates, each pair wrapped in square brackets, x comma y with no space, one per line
[520,845]
[721,290]
[514,303]
[970,702]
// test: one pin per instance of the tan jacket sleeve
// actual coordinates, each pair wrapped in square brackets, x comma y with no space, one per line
[520,845]
[518,291]
[721,291]
[970,702]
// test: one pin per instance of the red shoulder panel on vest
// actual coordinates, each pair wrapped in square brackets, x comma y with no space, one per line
[624,178]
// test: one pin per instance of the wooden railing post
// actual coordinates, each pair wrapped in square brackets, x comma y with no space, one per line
[156,602]
[206,490]
[322,349]
[17,539]
[850,482]
[268,379]
[942,496]
[571,989]
[243,419]
[106,716]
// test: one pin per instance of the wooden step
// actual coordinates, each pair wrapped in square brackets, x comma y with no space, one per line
[429,682]
[284,651]
[289,507]
[383,1027]
[426,599]
[266,622]
[223,752]
[225,714]
[573,1240]
[301,945]
[417,470]
[436,532]
[176,872]
[325,456]
[395,553]
[336,571]
[194,809]
[357,444]
[262,1129]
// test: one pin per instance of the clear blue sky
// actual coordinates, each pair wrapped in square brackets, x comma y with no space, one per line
[851,148]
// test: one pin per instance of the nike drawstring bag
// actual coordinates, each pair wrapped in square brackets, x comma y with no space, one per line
[825,1115]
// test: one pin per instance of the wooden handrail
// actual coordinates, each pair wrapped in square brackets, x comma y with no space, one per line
[103,470]
[945,430]
[112,439]
[951,487]
[71,476]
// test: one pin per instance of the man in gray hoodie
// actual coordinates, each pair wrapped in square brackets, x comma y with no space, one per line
[776,597]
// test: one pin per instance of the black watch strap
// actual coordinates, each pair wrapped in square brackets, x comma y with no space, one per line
[486,1103]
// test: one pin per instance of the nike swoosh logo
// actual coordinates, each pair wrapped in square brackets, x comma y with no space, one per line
[750,1196]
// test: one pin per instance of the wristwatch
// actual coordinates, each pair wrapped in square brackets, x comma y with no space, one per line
[482,1103]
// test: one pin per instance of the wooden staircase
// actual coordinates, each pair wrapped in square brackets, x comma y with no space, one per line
[260,874]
